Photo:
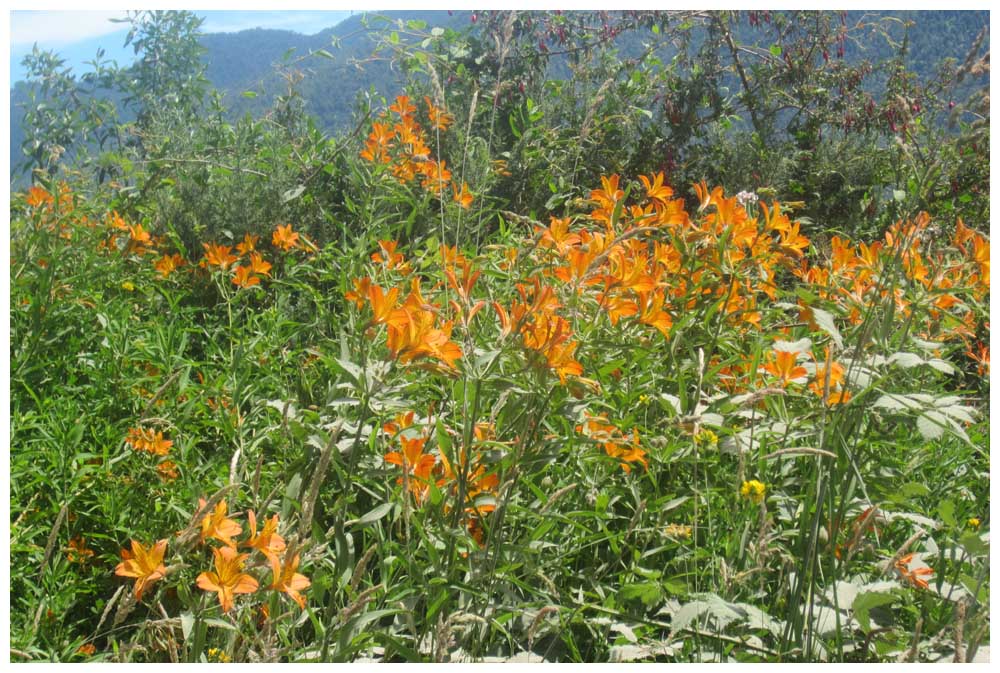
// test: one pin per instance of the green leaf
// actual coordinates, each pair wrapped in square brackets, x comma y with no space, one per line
[647,592]
[775,50]
[914,489]
[973,544]
[946,512]
[375,514]
[825,321]
[864,602]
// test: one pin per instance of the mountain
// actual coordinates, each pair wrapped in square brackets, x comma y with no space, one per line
[246,66]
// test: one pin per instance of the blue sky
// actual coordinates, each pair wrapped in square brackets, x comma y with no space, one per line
[77,35]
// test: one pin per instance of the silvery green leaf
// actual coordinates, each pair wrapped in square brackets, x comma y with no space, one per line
[626,631]
[926,345]
[826,323]
[895,402]
[715,420]
[960,413]
[928,428]
[672,400]
[905,360]
[941,366]
[803,345]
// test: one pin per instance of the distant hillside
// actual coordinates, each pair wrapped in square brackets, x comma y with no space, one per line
[246,61]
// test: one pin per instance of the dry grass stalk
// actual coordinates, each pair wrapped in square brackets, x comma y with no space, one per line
[309,504]
[359,569]
[537,622]
[555,498]
[50,545]
[360,602]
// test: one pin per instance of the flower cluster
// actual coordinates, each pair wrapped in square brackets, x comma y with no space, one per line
[615,444]
[421,470]
[228,577]
[150,441]
[401,145]
[414,328]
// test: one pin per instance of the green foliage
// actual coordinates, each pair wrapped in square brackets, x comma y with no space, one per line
[545,422]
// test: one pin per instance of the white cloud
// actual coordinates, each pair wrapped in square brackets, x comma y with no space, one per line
[53,28]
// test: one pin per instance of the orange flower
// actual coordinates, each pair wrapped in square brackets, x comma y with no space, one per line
[139,238]
[783,366]
[86,649]
[915,576]
[415,463]
[147,440]
[218,255]
[379,140]
[391,259]
[655,189]
[168,264]
[78,551]
[167,470]
[145,565]
[258,265]
[287,581]
[439,119]
[244,277]
[284,238]
[463,197]
[981,358]
[360,291]
[403,107]
[228,578]
[558,236]
[383,303]
[611,438]
[38,197]
[836,376]
[268,542]
[249,243]
[216,525]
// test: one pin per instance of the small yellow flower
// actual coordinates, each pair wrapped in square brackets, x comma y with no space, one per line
[128,285]
[217,655]
[706,437]
[678,531]
[643,399]
[973,522]
[753,490]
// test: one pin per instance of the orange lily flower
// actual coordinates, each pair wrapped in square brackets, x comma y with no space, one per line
[267,542]
[168,264]
[284,238]
[258,265]
[244,277]
[218,255]
[915,576]
[462,197]
[145,565]
[216,525]
[289,582]
[439,119]
[415,463]
[249,243]
[655,189]
[783,366]
[228,579]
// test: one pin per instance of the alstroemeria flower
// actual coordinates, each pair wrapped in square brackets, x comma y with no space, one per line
[145,565]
